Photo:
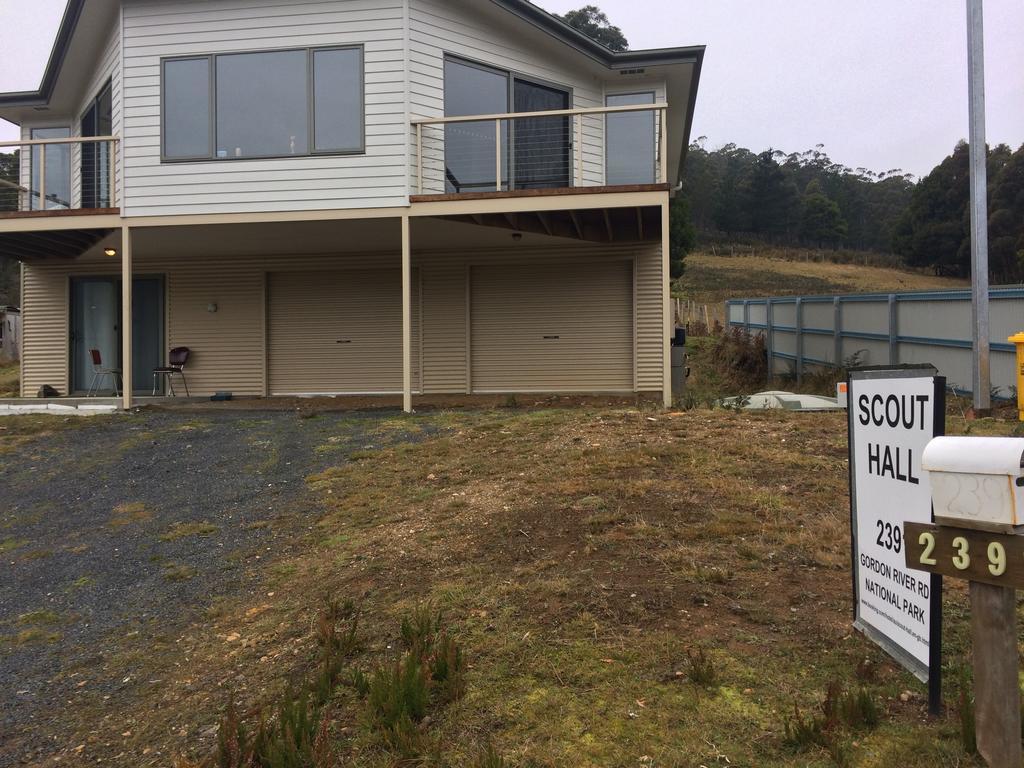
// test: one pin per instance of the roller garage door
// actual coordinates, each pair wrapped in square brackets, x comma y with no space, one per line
[337,332]
[552,327]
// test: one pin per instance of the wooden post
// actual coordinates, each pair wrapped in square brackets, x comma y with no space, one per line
[996,682]
[666,323]
[419,159]
[579,150]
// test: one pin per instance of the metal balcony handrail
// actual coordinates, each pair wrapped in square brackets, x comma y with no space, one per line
[660,107]
[69,140]
[40,194]
[576,115]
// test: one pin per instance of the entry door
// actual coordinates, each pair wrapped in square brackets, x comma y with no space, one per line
[541,144]
[96,324]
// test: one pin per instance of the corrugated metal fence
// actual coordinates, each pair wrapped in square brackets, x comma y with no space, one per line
[883,329]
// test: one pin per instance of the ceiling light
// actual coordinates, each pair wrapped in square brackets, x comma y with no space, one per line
[110,251]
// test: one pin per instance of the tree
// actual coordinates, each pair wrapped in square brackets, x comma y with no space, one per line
[821,223]
[593,22]
[681,235]
[9,272]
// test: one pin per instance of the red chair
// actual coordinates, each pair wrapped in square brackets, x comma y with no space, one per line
[176,360]
[99,372]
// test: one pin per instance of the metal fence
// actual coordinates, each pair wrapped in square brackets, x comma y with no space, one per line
[884,329]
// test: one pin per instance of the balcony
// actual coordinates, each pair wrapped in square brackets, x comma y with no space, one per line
[58,196]
[568,151]
[59,177]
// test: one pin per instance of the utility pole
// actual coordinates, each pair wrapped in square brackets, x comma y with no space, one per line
[979,207]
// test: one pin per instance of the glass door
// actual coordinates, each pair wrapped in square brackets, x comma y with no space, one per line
[631,141]
[96,324]
[470,148]
[542,145]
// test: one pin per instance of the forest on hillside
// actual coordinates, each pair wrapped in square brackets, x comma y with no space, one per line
[807,199]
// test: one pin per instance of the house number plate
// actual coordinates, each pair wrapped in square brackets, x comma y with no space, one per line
[994,558]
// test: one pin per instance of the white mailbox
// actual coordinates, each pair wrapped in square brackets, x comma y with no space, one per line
[977,482]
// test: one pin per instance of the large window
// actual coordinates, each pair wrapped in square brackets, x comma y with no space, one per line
[538,155]
[630,144]
[264,104]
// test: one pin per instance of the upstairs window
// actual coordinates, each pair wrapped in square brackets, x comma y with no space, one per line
[265,104]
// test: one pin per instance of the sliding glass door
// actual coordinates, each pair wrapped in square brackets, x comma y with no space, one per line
[538,154]
[541,158]
[96,325]
[58,170]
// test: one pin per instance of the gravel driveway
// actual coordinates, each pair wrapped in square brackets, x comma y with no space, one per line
[132,519]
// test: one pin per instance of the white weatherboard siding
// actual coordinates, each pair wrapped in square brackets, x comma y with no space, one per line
[107,67]
[153,30]
[461,28]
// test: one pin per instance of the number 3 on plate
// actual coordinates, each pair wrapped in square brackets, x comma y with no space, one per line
[961,560]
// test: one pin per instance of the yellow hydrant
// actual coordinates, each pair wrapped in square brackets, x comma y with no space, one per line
[1018,339]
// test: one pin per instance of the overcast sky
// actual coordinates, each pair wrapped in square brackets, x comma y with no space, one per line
[881,83]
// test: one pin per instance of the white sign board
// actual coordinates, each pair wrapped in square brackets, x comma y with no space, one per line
[893,414]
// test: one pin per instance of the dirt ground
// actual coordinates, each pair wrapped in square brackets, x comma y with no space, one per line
[580,556]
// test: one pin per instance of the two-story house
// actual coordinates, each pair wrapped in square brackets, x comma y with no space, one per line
[346,197]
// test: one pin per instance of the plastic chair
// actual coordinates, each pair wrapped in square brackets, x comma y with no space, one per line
[99,372]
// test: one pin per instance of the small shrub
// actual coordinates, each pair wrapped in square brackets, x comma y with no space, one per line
[397,700]
[419,629]
[802,733]
[335,642]
[448,670]
[360,683]
[700,669]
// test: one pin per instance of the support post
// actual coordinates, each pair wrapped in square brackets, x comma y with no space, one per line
[126,316]
[579,150]
[769,309]
[979,208]
[497,155]
[663,146]
[419,159]
[996,681]
[42,177]
[666,309]
[112,183]
[406,316]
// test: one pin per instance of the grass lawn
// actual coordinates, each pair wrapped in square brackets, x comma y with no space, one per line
[712,279]
[9,380]
[582,560]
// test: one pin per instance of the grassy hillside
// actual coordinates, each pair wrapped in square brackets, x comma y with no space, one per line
[711,279]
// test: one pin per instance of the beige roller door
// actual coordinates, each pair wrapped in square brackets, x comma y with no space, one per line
[337,332]
[552,327]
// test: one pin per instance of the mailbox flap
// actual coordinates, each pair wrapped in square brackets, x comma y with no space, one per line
[975,455]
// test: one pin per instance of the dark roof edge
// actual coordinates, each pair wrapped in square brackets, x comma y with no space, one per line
[691,108]
[72,14]
[559,29]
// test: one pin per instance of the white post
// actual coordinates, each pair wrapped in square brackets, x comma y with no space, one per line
[497,155]
[419,159]
[666,330]
[42,177]
[979,206]
[126,316]
[406,317]
[112,183]
[579,150]
[663,146]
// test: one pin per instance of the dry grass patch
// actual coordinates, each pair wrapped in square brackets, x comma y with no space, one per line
[129,514]
[630,588]
[10,380]
[184,530]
